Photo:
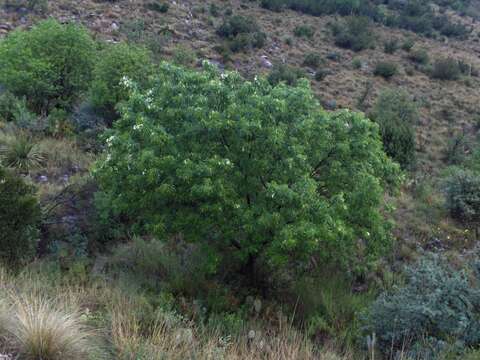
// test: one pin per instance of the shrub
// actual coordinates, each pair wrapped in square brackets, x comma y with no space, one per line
[357,63]
[50,64]
[116,62]
[437,305]
[19,217]
[247,170]
[408,44]
[312,60]
[355,33]
[285,73]
[385,69]
[446,69]
[236,25]
[11,106]
[242,33]
[155,265]
[305,31]
[419,56]
[390,46]
[320,74]
[184,56]
[160,7]
[462,192]
[396,114]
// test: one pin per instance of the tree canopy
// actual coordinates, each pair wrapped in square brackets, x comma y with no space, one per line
[247,169]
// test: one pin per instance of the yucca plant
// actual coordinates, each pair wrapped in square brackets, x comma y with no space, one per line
[20,153]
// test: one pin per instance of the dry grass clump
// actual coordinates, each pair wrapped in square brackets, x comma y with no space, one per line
[36,327]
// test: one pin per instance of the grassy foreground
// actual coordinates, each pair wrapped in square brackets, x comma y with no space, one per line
[45,314]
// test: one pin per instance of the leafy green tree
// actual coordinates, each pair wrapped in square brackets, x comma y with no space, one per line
[50,64]
[248,170]
[396,114]
[19,217]
[116,62]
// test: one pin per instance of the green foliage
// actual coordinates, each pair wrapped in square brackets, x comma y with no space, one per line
[161,7]
[354,33]
[462,192]
[329,308]
[19,217]
[50,64]
[408,44]
[419,56]
[117,62]
[396,114]
[305,31]
[446,69]
[20,152]
[437,305]
[242,33]
[184,56]
[312,60]
[247,170]
[12,108]
[385,69]
[391,46]
[285,73]
[154,265]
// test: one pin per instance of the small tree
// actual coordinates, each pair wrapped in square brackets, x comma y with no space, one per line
[247,170]
[50,64]
[396,114]
[116,62]
[19,217]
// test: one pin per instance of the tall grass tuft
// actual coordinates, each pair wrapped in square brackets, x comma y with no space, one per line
[36,328]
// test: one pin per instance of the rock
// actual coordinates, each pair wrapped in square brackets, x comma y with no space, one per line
[265,62]
[257,305]
[330,104]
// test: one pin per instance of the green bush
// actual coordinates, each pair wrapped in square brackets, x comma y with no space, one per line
[462,192]
[312,60]
[242,33]
[355,33]
[396,114]
[50,64]
[437,306]
[117,62]
[446,69]
[305,31]
[391,46]
[385,69]
[419,56]
[249,171]
[285,73]
[19,218]
[160,7]
[408,44]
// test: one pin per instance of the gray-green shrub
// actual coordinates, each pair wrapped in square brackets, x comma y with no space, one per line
[437,305]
